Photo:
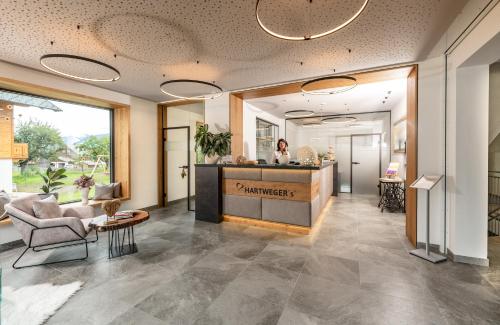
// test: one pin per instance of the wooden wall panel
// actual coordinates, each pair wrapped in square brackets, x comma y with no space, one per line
[160,183]
[411,155]
[236,125]
[122,168]
[6,132]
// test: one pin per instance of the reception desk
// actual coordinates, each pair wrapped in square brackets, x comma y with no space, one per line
[275,196]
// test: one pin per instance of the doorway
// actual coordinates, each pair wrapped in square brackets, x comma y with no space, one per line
[366,163]
[177,165]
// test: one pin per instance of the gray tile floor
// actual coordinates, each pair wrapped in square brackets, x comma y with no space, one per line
[354,270]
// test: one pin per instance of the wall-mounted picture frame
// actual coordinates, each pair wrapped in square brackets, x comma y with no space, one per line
[399,136]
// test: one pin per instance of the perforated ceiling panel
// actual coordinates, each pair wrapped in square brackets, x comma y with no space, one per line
[220,40]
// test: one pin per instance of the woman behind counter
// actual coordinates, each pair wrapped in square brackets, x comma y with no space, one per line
[282,147]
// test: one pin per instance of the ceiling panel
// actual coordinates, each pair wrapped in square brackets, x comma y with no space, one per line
[219,40]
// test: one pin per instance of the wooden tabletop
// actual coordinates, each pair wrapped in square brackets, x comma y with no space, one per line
[99,223]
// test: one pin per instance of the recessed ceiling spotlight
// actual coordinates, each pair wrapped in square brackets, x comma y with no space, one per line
[383,102]
[306,37]
[299,113]
[346,83]
[389,92]
[385,97]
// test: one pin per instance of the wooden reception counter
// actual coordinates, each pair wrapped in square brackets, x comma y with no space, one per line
[289,197]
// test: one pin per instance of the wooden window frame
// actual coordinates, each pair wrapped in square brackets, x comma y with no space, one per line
[120,129]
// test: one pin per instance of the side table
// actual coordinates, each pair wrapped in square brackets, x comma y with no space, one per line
[393,194]
[117,246]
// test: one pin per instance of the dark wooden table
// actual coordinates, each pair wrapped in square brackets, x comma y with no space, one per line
[393,195]
[117,246]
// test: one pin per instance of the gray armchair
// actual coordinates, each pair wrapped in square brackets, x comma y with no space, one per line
[43,234]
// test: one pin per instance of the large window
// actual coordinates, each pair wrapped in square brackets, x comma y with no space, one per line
[65,135]
[267,137]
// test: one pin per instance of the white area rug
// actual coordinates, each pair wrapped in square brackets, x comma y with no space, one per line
[34,304]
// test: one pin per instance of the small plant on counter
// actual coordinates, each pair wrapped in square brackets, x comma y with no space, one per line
[213,146]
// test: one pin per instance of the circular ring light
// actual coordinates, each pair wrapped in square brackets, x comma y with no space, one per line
[299,113]
[351,81]
[218,90]
[339,119]
[311,125]
[45,61]
[307,37]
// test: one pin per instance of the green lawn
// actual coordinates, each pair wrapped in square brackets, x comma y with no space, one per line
[32,183]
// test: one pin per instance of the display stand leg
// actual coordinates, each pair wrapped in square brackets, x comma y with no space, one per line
[426,254]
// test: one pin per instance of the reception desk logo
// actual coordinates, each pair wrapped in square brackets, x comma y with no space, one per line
[264,191]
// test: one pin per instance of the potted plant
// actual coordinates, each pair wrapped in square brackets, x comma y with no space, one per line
[84,183]
[51,179]
[213,146]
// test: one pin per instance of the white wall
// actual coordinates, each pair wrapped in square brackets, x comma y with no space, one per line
[143,127]
[397,113]
[467,132]
[217,113]
[143,151]
[6,175]
[250,115]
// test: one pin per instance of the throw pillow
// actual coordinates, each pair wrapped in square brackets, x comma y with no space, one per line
[47,208]
[117,191]
[104,192]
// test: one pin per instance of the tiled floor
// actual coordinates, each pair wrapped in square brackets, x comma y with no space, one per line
[354,270]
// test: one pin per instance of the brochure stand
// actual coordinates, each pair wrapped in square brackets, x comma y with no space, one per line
[427,183]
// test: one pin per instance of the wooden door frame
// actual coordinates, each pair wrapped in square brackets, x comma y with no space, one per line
[410,72]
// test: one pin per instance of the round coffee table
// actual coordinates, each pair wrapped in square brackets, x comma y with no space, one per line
[117,246]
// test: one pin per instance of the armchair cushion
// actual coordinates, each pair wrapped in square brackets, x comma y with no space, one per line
[38,232]
[47,208]
[25,203]
[78,211]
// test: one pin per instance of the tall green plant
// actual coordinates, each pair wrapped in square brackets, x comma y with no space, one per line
[51,179]
[212,144]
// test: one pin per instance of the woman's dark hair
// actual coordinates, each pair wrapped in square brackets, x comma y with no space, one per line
[279,141]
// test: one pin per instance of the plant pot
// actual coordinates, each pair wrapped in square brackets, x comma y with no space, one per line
[46,195]
[85,195]
[212,159]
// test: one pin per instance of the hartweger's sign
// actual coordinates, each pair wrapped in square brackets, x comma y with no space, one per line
[271,190]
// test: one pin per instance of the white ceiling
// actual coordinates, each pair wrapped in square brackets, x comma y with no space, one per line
[368,97]
[167,37]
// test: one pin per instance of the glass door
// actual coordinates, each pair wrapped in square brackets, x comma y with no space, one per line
[365,163]
[343,156]
[179,171]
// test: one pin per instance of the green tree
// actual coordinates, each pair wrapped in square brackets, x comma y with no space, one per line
[44,141]
[94,147]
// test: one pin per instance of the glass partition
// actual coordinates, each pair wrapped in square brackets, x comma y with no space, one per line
[266,139]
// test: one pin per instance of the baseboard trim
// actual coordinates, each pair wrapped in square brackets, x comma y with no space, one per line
[150,208]
[468,259]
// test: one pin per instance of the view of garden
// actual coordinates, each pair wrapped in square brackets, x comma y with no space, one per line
[80,146]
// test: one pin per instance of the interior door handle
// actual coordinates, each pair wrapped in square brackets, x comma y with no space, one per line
[183,166]
[355,163]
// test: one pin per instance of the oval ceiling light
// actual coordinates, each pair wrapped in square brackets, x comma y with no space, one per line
[79,67]
[299,113]
[307,37]
[191,89]
[324,85]
[339,119]
[311,125]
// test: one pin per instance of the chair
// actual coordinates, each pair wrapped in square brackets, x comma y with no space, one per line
[43,234]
